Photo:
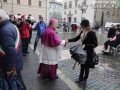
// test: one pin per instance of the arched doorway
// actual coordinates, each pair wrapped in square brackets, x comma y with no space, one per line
[69,19]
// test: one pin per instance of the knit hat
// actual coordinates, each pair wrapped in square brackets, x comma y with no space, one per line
[85,23]
[23,16]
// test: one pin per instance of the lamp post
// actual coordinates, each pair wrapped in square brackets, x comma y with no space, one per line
[82,7]
[1,4]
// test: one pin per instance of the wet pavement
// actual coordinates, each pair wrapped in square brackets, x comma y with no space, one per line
[105,76]
[33,81]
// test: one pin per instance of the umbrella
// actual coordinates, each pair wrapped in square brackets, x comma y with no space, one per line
[78,54]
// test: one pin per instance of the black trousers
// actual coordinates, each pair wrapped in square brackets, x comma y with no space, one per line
[110,43]
[19,77]
[25,42]
[30,32]
[84,72]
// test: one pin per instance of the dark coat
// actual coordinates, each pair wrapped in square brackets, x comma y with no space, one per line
[111,32]
[115,42]
[13,22]
[8,34]
[90,43]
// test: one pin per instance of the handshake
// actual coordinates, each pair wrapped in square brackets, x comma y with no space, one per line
[66,41]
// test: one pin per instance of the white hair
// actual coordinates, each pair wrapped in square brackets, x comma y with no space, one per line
[4,15]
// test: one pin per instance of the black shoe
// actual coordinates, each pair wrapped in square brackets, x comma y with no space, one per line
[24,54]
[84,81]
[56,77]
[27,52]
[79,80]
[34,50]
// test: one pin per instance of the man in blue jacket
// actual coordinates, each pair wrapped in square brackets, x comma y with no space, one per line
[41,26]
[10,47]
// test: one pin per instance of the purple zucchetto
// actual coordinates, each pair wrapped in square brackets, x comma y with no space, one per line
[52,20]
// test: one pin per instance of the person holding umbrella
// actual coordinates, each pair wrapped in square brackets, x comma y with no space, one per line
[89,42]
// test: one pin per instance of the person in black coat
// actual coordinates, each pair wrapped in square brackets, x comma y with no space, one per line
[113,41]
[89,42]
[12,20]
[111,31]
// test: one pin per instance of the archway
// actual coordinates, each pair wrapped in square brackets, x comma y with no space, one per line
[69,19]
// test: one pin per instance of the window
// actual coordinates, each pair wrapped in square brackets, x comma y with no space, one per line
[69,12]
[117,14]
[65,12]
[70,4]
[29,2]
[76,4]
[4,0]
[113,14]
[108,13]
[75,20]
[75,11]
[65,5]
[18,1]
[40,3]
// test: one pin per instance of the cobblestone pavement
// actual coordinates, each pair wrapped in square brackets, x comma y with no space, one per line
[105,76]
[33,81]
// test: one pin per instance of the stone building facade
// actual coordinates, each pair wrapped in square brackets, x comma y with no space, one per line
[35,8]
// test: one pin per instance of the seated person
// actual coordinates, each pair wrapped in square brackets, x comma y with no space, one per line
[113,41]
[111,31]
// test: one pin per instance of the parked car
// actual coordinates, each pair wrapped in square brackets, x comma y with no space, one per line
[95,27]
[108,25]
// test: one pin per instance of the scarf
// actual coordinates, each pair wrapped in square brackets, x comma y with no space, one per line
[83,35]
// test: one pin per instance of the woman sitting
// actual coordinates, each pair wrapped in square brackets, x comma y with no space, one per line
[114,41]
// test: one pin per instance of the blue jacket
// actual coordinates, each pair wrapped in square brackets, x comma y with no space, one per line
[41,27]
[8,35]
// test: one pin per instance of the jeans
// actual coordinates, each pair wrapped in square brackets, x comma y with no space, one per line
[36,40]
